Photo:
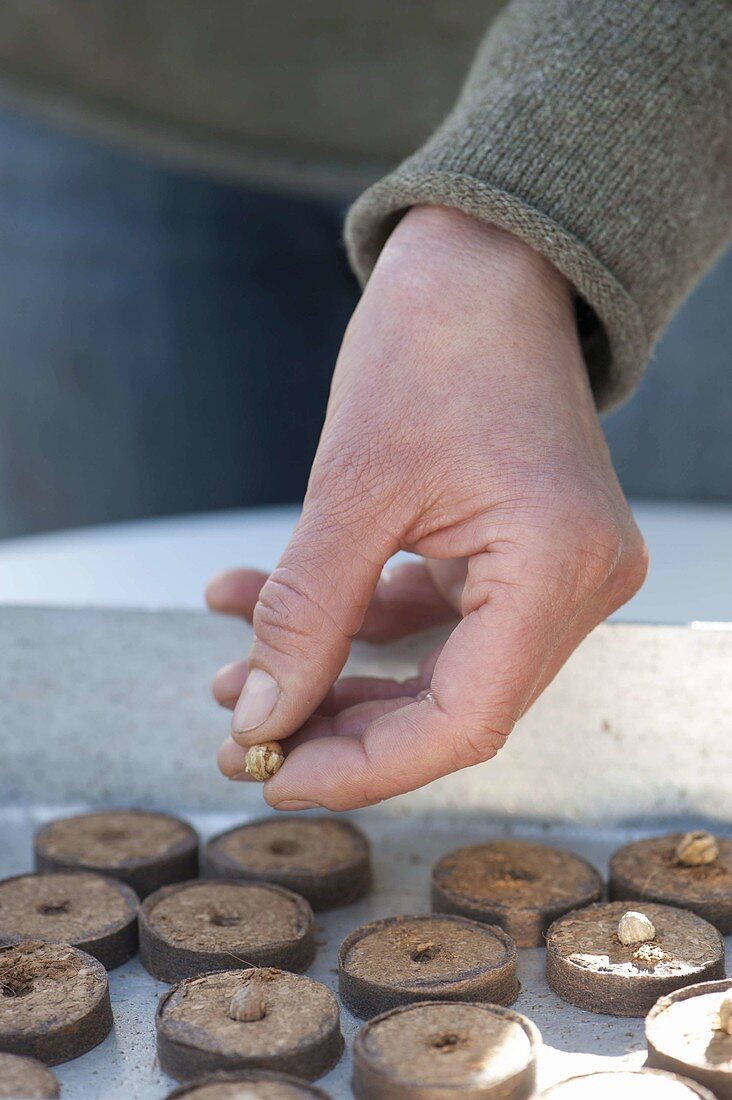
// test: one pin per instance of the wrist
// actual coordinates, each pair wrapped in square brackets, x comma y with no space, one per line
[437,251]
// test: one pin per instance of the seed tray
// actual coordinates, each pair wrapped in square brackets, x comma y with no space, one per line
[103,708]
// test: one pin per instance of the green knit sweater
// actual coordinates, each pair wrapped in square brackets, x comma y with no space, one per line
[600,132]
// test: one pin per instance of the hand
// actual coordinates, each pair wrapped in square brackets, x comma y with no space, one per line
[460,427]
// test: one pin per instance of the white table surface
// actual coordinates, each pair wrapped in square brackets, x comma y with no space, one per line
[166,562]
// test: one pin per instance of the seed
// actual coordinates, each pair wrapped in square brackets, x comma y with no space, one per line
[635,928]
[697,849]
[649,954]
[725,1014]
[265,760]
[247,1005]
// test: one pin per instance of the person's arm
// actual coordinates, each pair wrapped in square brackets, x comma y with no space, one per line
[587,161]
[600,133]
[461,426]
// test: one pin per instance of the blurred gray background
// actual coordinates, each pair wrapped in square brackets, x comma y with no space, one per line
[166,344]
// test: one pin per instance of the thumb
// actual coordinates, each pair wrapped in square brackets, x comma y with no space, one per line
[308,611]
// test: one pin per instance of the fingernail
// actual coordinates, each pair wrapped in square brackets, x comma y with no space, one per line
[256,702]
[295,804]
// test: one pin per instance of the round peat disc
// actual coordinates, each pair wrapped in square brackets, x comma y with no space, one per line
[520,886]
[215,924]
[145,850]
[54,1001]
[400,960]
[683,1035]
[648,870]
[90,911]
[25,1079]
[253,1084]
[298,1033]
[326,860]
[611,1084]
[588,966]
[438,1048]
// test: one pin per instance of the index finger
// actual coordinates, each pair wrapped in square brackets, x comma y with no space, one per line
[483,679]
[522,615]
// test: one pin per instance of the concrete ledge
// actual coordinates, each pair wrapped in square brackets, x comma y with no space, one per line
[113,706]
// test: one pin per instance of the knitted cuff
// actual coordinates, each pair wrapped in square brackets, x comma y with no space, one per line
[599,132]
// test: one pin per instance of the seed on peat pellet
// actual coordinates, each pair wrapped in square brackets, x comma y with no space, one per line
[697,849]
[265,760]
[725,1015]
[635,928]
[649,954]
[247,1005]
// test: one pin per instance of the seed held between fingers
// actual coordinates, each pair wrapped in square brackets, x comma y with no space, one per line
[265,760]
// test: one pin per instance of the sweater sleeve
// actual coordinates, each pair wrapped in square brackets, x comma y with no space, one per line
[600,133]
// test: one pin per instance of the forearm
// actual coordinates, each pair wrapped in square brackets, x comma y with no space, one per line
[600,134]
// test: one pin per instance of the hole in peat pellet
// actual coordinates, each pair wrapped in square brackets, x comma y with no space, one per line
[21,966]
[15,985]
[111,836]
[53,909]
[515,876]
[284,847]
[446,1043]
[425,952]
[224,920]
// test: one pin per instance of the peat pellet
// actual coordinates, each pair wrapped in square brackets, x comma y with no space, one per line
[649,870]
[429,957]
[87,910]
[520,886]
[683,1035]
[326,860]
[253,1084]
[433,1050]
[613,1084]
[54,1001]
[195,927]
[26,1079]
[298,1033]
[589,967]
[143,849]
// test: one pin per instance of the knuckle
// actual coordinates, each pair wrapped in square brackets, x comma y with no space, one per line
[632,569]
[286,615]
[578,552]
[348,472]
[477,736]
[639,563]
[597,545]
[366,472]
[480,743]
[608,552]
[574,545]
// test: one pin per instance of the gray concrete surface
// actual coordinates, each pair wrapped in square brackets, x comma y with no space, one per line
[106,706]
